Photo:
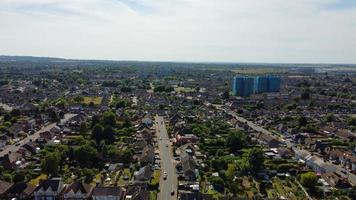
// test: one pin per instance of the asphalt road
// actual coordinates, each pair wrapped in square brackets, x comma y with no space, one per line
[167,162]
[33,137]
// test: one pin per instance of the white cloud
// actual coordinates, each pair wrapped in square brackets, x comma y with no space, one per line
[183,30]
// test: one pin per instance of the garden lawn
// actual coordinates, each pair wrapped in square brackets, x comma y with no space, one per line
[37,180]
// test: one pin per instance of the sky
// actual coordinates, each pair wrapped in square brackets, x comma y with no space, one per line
[286,31]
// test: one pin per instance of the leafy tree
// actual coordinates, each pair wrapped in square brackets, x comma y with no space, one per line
[50,163]
[302,121]
[219,164]
[109,119]
[83,129]
[127,155]
[235,141]
[109,134]
[85,155]
[309,179]
[216,180]
[53,115]
[7,177]
[255,159]
[110,151]
[87,175]
[330,117]
[79,99]
[15,112]
[97,133]
[95,120]
[18,177]
[352,121]
[121,104]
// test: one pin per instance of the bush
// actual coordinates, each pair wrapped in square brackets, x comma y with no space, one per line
[309,179]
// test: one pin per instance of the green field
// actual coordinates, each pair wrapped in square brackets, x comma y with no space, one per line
[95,100]
[184,89]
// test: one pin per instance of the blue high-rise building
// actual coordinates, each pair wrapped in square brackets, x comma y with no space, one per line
[274,84]
[243,86]
[267,84]
[261,84]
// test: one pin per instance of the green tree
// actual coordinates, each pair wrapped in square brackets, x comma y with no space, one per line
[302,121]
[18,177]
[87,175]
[95,120]
[109,119]
[50,163]
[110,151]
[78,99]
[83,128]
[53,115]
[255,157]
[7,177]
[352,121]
[127,155]
[15,112]
[330,117]
[121,104]
[109,134]
[309,179]
[97,133]
[235,141]
[85,155]
[216,180]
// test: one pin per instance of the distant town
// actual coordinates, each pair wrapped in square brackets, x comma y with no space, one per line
[130,130]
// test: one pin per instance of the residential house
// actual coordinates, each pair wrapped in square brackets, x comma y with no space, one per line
[30,147]
[11,160]
[314,162]
[49,189]
[147,156]
[344,158]
[336,181]
[143,174]
[147,122]
[4,187]
[78,191]
[108,193]
[187,138]
[20,191]
[47,135]
[137,192]
[188,167]
[268,140]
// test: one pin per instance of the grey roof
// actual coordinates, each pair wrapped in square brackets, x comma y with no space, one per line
[107,191]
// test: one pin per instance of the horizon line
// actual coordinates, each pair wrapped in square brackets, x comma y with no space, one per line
[172,61]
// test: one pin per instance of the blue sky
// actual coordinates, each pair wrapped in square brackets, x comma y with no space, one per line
[342,4]
[317,31]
